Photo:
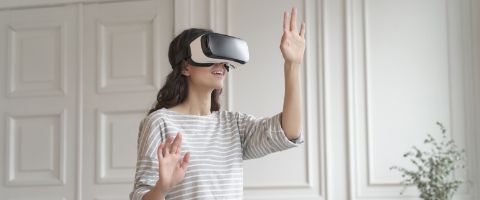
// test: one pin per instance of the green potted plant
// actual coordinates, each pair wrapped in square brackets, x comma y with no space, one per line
[434,167]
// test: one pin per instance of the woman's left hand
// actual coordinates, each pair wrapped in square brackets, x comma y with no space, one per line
[293,42]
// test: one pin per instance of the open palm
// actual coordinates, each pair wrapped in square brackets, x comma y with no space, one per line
[293,42]
[171,168]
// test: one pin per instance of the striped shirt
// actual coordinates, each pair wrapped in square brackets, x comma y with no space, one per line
[218,143]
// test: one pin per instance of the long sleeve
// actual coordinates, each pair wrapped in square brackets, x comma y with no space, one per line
[146,175]
[263,136]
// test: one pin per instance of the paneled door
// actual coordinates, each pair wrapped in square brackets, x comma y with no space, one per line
[39,103]
[125,60]
[77,77]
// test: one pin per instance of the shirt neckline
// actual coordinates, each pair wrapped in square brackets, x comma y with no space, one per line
[213,114]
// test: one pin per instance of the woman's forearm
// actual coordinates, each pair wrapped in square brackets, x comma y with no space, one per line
[292,107]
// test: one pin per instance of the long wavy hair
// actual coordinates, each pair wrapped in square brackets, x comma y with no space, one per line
[175,89]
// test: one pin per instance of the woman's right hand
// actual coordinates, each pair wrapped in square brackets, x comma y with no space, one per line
[171,167]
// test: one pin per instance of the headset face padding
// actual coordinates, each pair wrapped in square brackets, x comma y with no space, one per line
[211,48]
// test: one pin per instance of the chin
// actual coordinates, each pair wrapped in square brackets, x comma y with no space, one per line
[218,87]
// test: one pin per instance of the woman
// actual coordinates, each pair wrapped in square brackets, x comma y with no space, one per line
[187,121]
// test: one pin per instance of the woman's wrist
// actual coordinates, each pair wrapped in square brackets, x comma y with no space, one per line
[158,192]
[163,189]
[291,68]
[291,64]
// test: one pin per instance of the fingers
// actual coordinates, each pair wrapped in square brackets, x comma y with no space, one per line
[286,25]
[293,19]
[302,30]
[167,146]
[292,25]
[160,151]
[171,146]
[175,148]
[185,160]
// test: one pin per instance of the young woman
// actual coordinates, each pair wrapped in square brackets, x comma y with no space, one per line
[190,149]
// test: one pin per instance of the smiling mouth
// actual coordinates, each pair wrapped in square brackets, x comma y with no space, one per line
[218,73]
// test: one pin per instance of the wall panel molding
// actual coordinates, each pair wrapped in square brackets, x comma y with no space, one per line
[116,38]
[475,34]
[313,187]
[335,103]
[25,41]
[39,105]
[116,155]
[365,144]
[36,149]
[80,105]
[125,62]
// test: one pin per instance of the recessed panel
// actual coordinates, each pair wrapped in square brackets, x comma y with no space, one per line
[124,130]
[35,150]
[263,77]
[407,74]
[117,152]
[36,60]
[36,144]
[407,78]
[131,45]
[125,56]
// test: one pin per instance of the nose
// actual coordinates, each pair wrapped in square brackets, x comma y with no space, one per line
[220,64]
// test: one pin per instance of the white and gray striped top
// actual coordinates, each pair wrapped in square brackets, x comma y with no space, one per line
[218,143]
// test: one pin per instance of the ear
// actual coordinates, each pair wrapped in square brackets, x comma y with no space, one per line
[186,71]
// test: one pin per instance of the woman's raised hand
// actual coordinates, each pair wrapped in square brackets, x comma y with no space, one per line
[293,42]
[171,168]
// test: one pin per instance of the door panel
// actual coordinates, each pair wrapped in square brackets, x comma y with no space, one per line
[125,60]
[39,103]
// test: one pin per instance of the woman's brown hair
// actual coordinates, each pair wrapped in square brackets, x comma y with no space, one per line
[175,89]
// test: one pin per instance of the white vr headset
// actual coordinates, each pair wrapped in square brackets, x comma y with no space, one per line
[212,48]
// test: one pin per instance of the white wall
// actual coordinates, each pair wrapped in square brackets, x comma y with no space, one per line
[78,75]
[409,67]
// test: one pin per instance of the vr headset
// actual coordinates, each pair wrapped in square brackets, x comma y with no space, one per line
[212,48]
